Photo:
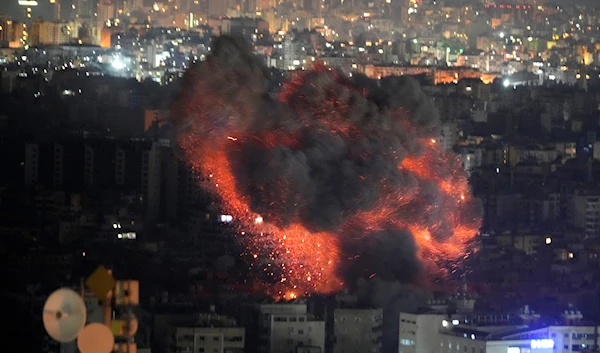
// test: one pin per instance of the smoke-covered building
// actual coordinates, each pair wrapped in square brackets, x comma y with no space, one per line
[289,328]
[357,330]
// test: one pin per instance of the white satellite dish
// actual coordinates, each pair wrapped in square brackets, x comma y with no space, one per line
[64,315]
[95,338]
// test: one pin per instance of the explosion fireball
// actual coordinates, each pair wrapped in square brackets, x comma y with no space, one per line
[330,179]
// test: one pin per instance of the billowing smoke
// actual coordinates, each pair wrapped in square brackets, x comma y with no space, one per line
[345,172]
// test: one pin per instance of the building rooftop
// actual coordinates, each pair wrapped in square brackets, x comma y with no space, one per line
[207,320]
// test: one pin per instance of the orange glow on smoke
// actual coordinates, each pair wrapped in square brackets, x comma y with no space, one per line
[300,261]
[310,258]
[441,168]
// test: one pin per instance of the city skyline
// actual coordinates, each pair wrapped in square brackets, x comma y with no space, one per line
[302,176]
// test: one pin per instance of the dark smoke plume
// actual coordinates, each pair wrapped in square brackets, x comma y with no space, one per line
[344,141]
[324,152]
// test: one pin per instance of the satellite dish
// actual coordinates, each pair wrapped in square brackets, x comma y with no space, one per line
[64,315]
[95,338]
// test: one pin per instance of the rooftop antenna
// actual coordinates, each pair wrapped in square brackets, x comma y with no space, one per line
[126,297]
[65,315]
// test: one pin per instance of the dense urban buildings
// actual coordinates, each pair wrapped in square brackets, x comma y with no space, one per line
[91,173]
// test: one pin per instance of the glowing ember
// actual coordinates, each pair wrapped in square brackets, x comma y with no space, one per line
[333,180]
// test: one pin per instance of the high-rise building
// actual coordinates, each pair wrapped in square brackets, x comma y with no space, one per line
[265,4]
[313,6]
[138,4]
[218,8]
[90,34]
[181,5]
[584,211]
[5,30]
[249,5]
[55,9]
[80,164]
[85,8]
[106,11]
[128,6]
[293,52]
[123,7]
[52,33]
[243,26]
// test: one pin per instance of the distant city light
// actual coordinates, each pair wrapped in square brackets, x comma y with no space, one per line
[128,235]
[501,34]
[506,83]
[444,323]
[548,240]
[225,218]
[455,322]
[118,64]
[28,3]
[258,220]
[543,343]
